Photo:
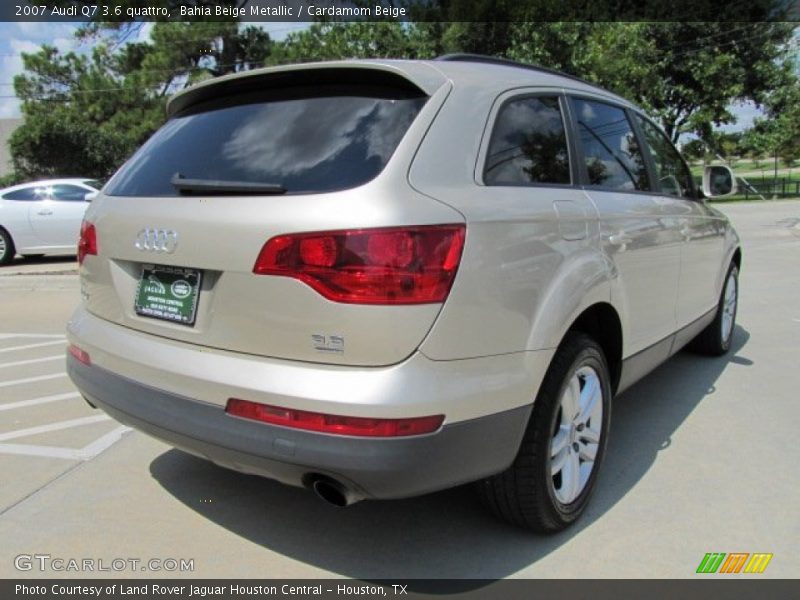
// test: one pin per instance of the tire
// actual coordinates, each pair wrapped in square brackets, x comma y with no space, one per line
[7,250]
[531,493]
[715,339]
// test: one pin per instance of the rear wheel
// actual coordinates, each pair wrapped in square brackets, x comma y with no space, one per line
[549,484]
[715,340]
[6,247]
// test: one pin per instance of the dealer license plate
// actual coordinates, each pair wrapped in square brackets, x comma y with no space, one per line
[168,293]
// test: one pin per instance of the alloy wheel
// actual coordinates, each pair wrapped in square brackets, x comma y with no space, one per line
[729,307]
[576,438]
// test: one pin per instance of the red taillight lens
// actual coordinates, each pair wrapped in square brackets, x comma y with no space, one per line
[87,244]
[334,424]
[395,249]
[318,251]
[80,355]
[397,265]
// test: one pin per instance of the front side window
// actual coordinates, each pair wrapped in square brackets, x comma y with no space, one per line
[528,144]
[307,141]
[674,177]
[611,151]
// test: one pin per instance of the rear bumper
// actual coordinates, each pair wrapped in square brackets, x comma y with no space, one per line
[462,390]
[373,468]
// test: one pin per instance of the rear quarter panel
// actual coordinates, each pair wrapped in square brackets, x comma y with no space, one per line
[520,283]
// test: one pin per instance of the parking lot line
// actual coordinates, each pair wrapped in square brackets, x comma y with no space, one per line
[45,343]
[37,345]
[31,361]
[43,451]
[41,400]
[103,443]
[88,452]
[12,435]
[32,379]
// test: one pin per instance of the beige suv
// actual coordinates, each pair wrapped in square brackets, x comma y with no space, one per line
[378,279]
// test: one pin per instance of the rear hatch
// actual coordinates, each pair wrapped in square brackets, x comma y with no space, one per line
[182,228]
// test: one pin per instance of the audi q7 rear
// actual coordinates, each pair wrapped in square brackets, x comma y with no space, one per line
[305,275]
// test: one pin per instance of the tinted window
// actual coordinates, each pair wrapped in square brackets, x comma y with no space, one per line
[528,144]
[63,191]
[305,144]
[674,177]
[612,154]
[30,193]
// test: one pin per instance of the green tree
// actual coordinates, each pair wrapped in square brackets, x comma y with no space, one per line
[725,145]
[333,41]
[686,74]
[695,150]
[753,145]
[778,134]
[783,123]
[700,70]
[85,113]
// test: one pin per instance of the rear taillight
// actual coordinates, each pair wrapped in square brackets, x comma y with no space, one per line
[87,244]
[396,265]
[334,424]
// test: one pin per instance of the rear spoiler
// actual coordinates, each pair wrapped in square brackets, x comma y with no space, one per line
[415,77]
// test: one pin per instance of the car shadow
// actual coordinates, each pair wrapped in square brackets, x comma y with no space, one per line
[38,259]
[446,534]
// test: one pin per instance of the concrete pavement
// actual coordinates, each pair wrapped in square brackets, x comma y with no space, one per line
[703,457]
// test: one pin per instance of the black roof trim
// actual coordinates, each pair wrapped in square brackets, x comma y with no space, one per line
[507,62]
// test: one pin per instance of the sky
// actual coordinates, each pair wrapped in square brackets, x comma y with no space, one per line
[16,38]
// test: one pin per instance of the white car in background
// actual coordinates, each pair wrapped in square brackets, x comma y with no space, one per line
[43,217]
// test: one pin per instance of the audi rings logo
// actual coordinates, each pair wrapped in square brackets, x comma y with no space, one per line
[157,240]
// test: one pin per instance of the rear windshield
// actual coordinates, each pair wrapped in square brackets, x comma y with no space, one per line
[306,142]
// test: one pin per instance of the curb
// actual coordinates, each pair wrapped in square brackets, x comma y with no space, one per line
[40,281]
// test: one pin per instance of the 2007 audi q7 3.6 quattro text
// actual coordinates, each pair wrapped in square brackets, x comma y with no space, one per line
[378,279]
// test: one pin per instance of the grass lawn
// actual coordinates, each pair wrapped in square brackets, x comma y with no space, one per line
[760,178]
[764,173]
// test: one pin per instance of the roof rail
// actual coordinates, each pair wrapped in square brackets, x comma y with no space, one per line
[507,62]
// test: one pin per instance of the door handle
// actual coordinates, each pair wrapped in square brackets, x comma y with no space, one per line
[44,211]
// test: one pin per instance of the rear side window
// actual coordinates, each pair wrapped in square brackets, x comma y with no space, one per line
[674,177]
[306,142]
[24,194]
[528,144]
[612,156]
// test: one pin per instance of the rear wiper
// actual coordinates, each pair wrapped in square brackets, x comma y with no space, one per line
[222,186]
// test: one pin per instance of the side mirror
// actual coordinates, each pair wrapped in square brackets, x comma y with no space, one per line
[90,196]
[718,182]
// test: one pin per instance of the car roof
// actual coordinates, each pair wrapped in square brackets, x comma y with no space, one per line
[45,182]
[428,75]
[462,67]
